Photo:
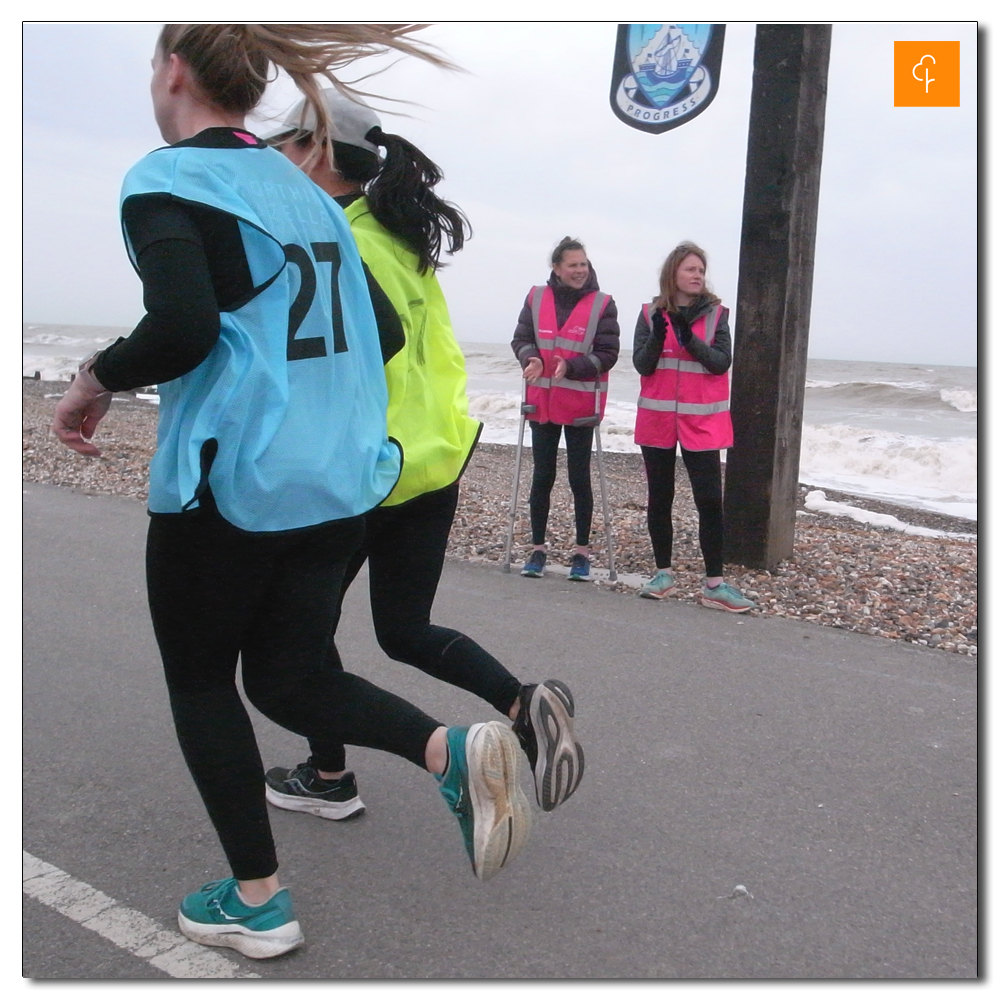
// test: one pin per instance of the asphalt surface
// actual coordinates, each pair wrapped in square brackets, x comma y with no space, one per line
[831,775]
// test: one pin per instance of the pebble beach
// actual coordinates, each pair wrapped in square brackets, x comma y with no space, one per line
[843,574]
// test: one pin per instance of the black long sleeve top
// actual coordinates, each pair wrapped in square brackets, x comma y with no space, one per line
[193,267]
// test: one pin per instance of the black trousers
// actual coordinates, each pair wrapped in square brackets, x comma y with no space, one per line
[218,595]
[405,548]
[544,449]
[705,472]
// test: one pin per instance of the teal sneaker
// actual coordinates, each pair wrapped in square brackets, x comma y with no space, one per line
[215,915]
[726,597]
[660,586]
[482,788]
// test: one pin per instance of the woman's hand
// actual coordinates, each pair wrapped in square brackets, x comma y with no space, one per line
[560,370]
[532,370]
[78,413]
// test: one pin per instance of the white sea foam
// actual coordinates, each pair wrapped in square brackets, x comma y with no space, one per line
[62,340]
[51,368]
[837,448]
[964,400]
[920,472]
[816,501]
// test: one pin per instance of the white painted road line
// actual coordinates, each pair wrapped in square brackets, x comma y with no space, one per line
[129,929]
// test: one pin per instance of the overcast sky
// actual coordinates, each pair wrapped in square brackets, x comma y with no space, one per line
[532,152]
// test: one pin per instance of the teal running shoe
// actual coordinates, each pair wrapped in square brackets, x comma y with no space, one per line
[726,597]
[662,585]
[482,788]
[215,915]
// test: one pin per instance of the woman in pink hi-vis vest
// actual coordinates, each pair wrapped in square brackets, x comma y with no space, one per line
[683,351]
[566,340]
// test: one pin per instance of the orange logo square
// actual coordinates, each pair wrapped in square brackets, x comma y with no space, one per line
[926,75]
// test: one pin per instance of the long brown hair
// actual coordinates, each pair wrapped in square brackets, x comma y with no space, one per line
[667,299]
[231,62]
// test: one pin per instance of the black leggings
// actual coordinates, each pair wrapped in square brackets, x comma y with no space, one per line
[705,472]
[405,547]
[218,594]
[544,449]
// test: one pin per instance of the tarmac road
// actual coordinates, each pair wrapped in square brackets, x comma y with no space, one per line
[829,774]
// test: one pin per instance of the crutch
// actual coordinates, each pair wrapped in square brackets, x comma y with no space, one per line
[595,422]
[526,408]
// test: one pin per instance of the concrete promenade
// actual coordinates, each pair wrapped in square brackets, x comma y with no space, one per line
[830,775]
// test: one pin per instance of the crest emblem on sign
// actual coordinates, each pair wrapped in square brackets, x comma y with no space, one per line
[665,74]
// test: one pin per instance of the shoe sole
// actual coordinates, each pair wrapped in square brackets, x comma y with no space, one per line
[653,596]
[501,816]
[253,944]
[708,603]
[579,579]
[532,575]
[559,766]
[315,807]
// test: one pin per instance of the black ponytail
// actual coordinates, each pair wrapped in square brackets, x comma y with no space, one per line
[402,199]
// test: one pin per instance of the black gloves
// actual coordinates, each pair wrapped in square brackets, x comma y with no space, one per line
[681,327]
[659,325]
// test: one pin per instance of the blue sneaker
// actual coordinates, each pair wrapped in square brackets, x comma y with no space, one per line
[579,568]
[215,915]
[726,597]
[535,566]
[660,586]
[482,788]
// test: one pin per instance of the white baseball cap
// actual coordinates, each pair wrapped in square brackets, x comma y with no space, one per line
[350,121]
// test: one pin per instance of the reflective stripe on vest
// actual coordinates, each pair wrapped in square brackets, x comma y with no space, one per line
[567,343]
[685,366]
[672,406]
[569,383]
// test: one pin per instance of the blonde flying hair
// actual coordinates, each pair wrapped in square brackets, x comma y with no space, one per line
[667,299]
[231,62]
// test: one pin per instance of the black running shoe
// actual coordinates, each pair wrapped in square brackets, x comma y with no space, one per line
[303,790]
[544,725]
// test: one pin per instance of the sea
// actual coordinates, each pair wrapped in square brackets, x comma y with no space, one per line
[901,433]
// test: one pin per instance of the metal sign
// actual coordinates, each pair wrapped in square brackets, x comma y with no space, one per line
[665,74]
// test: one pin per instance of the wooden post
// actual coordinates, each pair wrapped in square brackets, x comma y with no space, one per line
[780,202]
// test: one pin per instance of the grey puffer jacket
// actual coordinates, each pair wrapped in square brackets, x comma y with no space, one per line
[607,339]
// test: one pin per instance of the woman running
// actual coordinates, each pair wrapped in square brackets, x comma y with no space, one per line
[566,341]
[272,445]
[683,351]
[401,227]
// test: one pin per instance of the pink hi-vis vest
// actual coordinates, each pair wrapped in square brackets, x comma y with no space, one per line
[565,400]
[681,400]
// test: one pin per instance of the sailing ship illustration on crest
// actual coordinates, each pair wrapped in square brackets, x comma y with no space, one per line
[665,73]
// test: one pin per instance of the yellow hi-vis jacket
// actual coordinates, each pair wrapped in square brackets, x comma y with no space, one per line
[428,409]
